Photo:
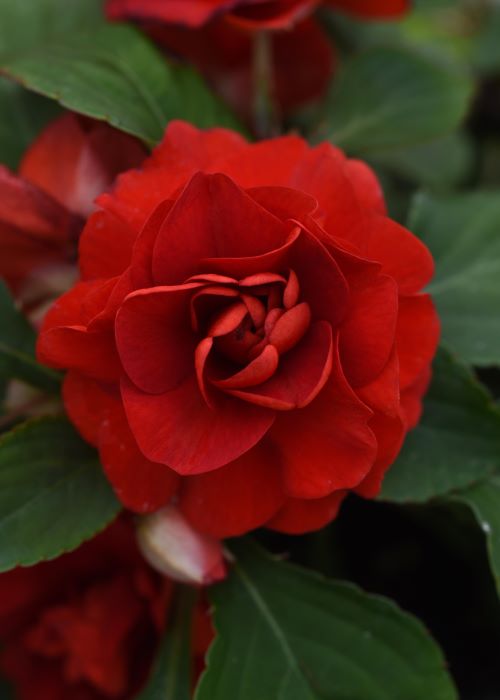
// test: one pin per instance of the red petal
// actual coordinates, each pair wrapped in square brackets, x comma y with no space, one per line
[256,372]
[300,376]
[382,394]
[322,283]
[245,266]
[236,498]
[141,485]
[75,159]
[212,218]
[154,337]
[417,336]
[411,398]
[402,255]
[368,334]
[105,248]
[372,8]
[277,14]
[290,327]
[328,445]
[390,432]
[73,347]
[192,13]
[284,202]
[88,404]
[298,516]
[177,428]
[142,266]
[366,185]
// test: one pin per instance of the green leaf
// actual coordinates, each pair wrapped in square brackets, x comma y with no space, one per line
[29,22]
[484,501]
[457,442]
[6,692]
[115,74]
[53,494]
[462,233]
[17,348]
[171,675]
[284,633]
[29,112]
[389,98]
[439,164]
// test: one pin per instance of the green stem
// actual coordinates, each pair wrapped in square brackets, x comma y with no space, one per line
[266,121]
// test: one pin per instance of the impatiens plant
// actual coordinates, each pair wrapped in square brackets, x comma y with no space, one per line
[234,462]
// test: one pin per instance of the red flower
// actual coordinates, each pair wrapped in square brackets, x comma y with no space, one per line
[43,209]
[84,626]
[249,336]
[217,36]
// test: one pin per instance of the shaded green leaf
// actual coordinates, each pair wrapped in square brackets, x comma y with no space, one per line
[456,443]
[23,115]
[115,74]
[29,22]
[439,164]
[393,98]
[17,348]
[462,233]
[172,673]
[484,501]
[53,494]
[284,633]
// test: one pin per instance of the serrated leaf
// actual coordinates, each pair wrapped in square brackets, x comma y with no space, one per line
[116,75]
[484,501]
[457,442]
[284,633]
[17,348]
[171,674]
[462,233]
[389,98]
[53,494]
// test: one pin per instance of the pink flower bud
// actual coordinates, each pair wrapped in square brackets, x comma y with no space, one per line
[174,548]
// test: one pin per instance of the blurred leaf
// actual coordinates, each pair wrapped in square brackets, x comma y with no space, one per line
[6,692]
[484,501]
[53,494]
[17,348]
[457,442]
[462,233]
[116,75]
[28,22]
[439,164]
[393,98]
[171,675]
[284,633]
[23,115]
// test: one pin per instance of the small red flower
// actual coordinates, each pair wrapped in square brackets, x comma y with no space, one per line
[43,208]
[84,626]
[218,37]
[249,337]
[254,14]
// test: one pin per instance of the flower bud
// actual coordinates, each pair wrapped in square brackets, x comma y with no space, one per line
[174,548]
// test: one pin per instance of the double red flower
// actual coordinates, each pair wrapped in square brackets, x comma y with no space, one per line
[249,338]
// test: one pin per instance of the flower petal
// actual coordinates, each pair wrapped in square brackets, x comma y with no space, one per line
[177,428]
[212,218]
[328,445]
[298,515]
[154,337]
[237,498]
[300,376]
[417,336]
